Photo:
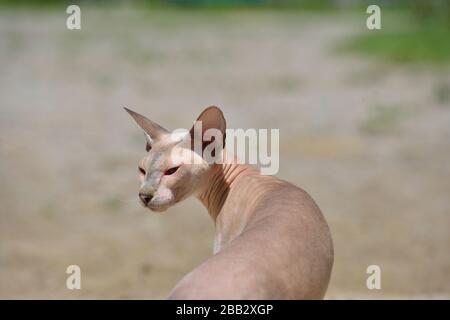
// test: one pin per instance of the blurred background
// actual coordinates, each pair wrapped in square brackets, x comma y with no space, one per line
[364,119]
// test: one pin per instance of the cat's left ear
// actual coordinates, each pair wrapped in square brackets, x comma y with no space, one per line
[211,118]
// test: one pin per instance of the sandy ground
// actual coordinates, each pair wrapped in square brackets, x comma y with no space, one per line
[369,141]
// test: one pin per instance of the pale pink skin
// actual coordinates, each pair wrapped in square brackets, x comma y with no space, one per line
[271,239]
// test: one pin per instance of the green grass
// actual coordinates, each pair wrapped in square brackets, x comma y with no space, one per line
[197,5]
[405,37]
[428,45]
[35,4]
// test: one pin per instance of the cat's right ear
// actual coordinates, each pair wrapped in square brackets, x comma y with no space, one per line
[152,130]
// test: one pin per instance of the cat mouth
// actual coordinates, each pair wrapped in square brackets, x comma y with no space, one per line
[158,206]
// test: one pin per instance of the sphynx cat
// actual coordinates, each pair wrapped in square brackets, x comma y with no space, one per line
[271,239]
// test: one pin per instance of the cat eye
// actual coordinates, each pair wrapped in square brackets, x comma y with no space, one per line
[170,171]
[141,171]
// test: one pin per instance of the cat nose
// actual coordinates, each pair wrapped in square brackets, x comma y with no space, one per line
[145,198]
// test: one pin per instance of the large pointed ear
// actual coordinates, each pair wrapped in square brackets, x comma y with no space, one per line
[153,131]
[211,118]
